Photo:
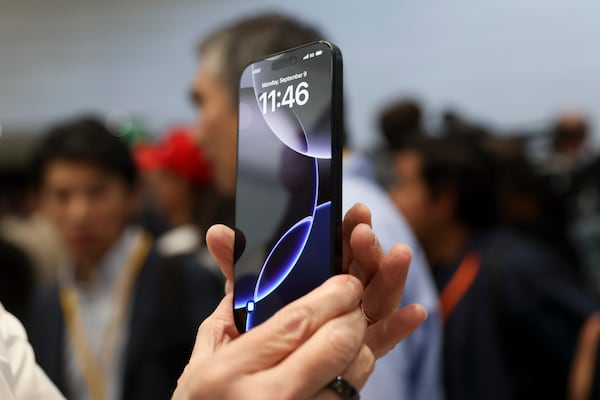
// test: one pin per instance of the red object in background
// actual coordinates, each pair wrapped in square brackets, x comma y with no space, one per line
[177,153]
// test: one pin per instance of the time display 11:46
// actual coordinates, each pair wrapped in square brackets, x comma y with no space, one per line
[273,99]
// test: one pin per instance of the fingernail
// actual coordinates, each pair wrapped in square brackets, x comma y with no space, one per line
[356,287]
[349,219]
[375,242]
[424,311]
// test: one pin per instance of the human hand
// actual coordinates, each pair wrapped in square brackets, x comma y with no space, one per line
[293,355]
[323,342]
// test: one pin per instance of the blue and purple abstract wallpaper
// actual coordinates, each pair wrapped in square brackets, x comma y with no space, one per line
[283,194]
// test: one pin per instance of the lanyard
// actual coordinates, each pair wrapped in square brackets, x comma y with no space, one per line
[459,284]
[95,368]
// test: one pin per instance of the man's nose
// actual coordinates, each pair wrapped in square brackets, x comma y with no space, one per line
[79,209]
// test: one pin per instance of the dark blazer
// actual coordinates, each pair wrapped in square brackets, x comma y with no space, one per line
[172,297]
[515,330]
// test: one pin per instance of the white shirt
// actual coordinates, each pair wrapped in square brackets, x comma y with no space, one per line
[184,239]
[20,377]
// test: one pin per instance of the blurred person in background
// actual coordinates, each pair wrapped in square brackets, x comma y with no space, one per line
[573,171]
[411,369]
[526,199]
[178,181]
[121,321]
[21,225]
[512,309]
[401,122]
[567,163]
[584,227]
[569,143]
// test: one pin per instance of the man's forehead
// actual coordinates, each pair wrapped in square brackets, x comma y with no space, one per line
[213,59]
[411,156]
[208,84]
[69,170]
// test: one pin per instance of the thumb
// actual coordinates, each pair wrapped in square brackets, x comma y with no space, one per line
[220,240]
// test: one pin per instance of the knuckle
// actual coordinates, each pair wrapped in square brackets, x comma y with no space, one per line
[296,325]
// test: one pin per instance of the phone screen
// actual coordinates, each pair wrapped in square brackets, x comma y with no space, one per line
[288,193]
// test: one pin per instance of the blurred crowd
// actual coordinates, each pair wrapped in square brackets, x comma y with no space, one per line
[511,237]
[102,252]
[548,193]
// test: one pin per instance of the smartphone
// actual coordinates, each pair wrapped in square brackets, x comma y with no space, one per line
[288,183]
